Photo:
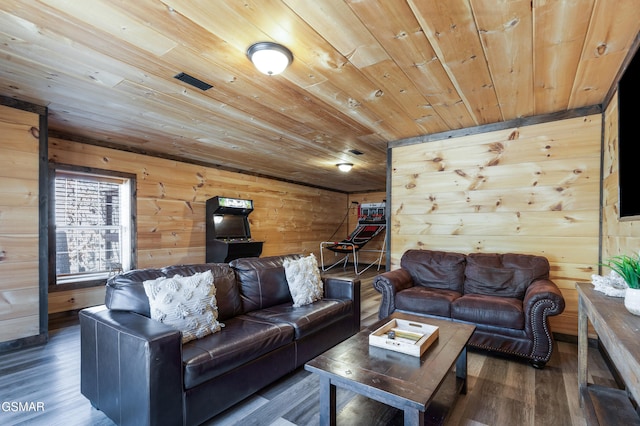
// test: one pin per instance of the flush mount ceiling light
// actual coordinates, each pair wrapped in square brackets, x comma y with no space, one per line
[344,167]
[269,58]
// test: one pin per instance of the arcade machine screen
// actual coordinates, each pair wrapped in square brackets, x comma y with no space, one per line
[230,227]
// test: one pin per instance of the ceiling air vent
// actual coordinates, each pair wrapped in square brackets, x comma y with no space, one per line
[356,152]
[193,81]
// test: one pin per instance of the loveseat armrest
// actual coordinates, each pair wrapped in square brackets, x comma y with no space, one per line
[544,292]
[345,288]
[131,367]
[541,300]
[388,284]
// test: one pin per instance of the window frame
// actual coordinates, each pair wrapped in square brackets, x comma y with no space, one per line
[54,169]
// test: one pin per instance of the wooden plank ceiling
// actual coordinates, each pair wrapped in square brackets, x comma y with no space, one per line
[365,73]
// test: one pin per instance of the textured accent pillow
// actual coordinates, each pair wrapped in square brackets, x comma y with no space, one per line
[186,303]
[304,280]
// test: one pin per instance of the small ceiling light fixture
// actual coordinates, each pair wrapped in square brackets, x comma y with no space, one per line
[344,167]
[269,58]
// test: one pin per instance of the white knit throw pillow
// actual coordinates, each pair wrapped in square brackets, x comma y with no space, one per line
[186,303]
[303,277]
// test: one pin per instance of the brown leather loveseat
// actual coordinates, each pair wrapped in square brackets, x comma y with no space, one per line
[138,371]
[508,297]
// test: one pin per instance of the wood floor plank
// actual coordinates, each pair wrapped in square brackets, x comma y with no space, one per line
[551,398]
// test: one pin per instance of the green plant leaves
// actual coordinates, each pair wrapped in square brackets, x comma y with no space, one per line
[627,267]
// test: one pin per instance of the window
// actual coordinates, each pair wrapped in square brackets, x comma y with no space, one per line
[94,232]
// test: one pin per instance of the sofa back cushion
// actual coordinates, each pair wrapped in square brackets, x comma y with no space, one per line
[505,275]
[224,279]
[125,292]
[435,269]
[262,281]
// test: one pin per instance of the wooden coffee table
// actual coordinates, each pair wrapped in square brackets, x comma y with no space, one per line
[402,381]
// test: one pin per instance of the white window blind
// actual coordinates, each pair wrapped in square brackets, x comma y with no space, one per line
[92,217]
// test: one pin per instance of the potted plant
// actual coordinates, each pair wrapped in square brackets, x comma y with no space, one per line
[628,268]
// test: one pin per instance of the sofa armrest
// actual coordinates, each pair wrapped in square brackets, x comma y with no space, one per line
[344,288]
[541,300]
[543,293]
[388,284]
[131,367]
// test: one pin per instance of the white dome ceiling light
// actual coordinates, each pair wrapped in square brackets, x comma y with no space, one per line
[269,58]
[344,167]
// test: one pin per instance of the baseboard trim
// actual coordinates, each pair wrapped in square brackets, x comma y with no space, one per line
[24,342]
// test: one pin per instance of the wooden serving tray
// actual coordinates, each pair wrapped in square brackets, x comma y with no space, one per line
[411,337]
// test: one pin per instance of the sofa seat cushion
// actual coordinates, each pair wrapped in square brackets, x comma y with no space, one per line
[306,319]
[242,339]
[426,300]
[498,311]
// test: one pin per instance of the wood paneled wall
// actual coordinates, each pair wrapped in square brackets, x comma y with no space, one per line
[618,237]
[171,198]
[532,189]
[19,224]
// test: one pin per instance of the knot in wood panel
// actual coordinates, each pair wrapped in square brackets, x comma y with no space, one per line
[601,49]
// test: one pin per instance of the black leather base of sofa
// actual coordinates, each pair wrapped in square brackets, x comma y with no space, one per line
[138,371]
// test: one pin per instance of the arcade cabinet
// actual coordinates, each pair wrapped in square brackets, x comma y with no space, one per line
[228,233]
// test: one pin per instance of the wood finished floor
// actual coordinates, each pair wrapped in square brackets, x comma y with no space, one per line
[501,391]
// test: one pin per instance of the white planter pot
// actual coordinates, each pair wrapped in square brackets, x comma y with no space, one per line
[632,300]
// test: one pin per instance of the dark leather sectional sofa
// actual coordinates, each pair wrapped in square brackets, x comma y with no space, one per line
[138,372]
[508,297]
